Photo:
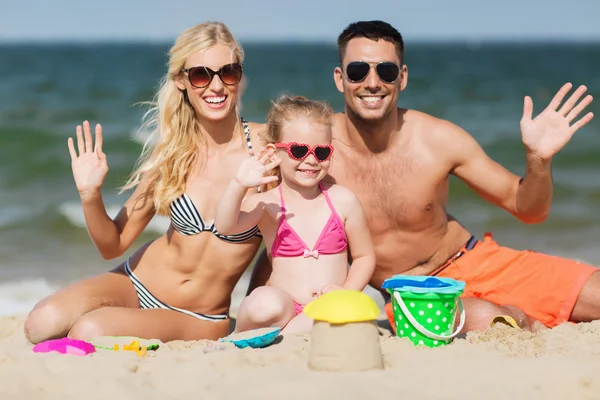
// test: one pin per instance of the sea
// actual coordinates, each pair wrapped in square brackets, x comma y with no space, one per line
[46,89]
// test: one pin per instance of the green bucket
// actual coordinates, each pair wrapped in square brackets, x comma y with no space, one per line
[425,308]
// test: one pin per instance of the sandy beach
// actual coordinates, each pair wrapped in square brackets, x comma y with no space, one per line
[498,364]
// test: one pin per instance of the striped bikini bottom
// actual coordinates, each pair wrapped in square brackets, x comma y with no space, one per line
[147,299]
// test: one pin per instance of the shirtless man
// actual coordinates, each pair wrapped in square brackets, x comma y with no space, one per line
[398,161]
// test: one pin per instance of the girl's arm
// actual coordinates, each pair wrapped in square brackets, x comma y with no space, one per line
[232,215]
[360,245]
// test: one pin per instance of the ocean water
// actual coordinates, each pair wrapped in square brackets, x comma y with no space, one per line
[46,90]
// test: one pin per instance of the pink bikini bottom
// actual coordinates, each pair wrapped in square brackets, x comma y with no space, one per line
[298,308]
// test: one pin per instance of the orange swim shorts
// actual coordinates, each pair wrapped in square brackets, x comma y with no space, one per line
[545,287]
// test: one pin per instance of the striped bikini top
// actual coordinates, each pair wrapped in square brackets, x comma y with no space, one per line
[187,220]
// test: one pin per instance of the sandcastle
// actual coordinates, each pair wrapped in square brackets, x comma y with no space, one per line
[345,335]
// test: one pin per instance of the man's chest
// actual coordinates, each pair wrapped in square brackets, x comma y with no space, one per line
[397,191]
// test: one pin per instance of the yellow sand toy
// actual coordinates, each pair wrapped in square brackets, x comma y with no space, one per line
[344,335]
[506,320]
[124,343]
[133,346]
[343,306]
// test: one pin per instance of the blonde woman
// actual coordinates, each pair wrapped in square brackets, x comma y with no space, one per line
[179,285]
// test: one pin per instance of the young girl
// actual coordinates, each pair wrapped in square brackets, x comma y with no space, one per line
[308,226]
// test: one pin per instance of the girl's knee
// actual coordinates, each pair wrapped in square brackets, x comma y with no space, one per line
[265,305]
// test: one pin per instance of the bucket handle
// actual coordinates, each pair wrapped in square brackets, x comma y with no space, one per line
[422,329]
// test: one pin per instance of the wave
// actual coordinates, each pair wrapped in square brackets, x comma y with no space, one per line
[73,212]
[19,297]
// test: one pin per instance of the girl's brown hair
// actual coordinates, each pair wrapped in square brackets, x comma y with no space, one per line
[287,108]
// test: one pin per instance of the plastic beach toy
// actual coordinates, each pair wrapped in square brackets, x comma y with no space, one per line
[425,308]
[256,338]
[344,334]
[125,343]
[342,307]
[65,346]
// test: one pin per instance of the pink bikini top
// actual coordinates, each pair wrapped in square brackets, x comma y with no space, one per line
[288,243]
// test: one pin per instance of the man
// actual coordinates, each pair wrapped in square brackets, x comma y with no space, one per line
[398,161]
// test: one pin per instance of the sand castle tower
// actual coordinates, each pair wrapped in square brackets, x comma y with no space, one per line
[345,335]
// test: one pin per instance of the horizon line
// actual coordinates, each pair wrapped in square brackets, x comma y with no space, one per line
[251,41]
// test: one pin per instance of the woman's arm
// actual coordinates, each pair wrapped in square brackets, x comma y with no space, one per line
[113,237]
[89,165]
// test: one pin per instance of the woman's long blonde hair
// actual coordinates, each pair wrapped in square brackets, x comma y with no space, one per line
[176,136]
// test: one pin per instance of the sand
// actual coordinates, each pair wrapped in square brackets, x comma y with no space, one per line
[501,363]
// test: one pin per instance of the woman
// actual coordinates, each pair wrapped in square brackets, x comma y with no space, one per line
[178,286]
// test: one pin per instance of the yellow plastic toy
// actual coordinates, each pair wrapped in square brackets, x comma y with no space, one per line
[343,306]
[344,335]
[134,346]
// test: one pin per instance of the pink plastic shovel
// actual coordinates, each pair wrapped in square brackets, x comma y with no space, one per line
[65,346]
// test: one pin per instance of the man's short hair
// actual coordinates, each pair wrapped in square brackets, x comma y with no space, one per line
[374,30]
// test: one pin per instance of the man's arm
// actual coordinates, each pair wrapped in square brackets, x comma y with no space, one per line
[529,198]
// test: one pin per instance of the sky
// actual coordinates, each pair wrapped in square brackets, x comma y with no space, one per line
[302,20]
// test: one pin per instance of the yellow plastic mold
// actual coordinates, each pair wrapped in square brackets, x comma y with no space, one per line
[343,306]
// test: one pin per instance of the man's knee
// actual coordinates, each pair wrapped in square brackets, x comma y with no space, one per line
[46,321]
[479,314]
